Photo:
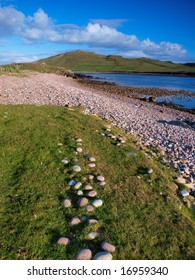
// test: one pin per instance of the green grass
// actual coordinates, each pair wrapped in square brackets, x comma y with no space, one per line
[134,217]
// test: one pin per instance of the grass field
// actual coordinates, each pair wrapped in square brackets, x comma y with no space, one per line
[140,222]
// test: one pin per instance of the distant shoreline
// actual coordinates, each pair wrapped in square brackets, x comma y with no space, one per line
[185,75]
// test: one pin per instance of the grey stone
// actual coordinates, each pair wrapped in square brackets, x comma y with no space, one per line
[91,165]
[92,193]
[93,221]
[77,185]
[100,178]
[67,203]
[92,235]
[83,201]
[97,202]
[102,184]
[75,221]
[150,170]
[65,161]
[76,168]
[79,192]
[183,193]
[63,241]
[90,177]
[92,159]
[84,219]
[108,247]
[103,256]
[72,183]
[88,188]
[79,140]
[84,254]
[89,208]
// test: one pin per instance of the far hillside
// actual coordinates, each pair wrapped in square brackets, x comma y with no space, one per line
[92,62]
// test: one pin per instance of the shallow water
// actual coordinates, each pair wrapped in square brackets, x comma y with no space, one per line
[154,81]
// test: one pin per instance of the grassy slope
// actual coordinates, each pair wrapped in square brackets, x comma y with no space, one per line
[89,61]
[139,221]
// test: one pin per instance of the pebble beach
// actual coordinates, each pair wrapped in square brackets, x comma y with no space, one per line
[170,131]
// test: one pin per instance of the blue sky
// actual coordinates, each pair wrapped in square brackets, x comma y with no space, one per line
[164,29]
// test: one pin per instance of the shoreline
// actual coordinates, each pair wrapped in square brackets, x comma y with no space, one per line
[140,93]
[169,131]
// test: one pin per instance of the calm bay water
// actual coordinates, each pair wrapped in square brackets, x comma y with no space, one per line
[152,81]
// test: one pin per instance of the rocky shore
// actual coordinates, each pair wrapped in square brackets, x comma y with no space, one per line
[170,131]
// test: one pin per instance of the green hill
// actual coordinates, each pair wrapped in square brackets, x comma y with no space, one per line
[92,62]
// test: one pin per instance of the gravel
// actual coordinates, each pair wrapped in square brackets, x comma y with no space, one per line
[164,128]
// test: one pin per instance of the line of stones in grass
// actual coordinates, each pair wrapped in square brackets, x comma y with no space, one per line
[87,201]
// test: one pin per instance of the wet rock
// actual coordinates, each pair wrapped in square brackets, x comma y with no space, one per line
[63,241]
[97,202]
[67,203]
[83,201]
[84,254]
[103,256]
[108,247]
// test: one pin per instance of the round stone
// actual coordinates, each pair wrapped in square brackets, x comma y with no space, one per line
[77,185]
[59,144]
[90,177]
[88,187]
[72,183]
[102,183]
[100,178]
[92,159]
[92,193]
[150,170]
[97,202]
[79,140]
[63,241]
[103,256]
[84,219]
[108,247]
[75,221]
[82,201]
[80,192]
[65,161]
[84,254]
[92,235]
[89,208]
[91,165]
[76,168]
[67,203]
[79,150]
[92,221]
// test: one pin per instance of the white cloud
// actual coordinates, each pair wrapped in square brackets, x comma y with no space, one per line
[109,22]
[11,21]
[97,34]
